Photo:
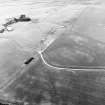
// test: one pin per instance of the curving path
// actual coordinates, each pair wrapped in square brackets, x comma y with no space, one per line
[72,68]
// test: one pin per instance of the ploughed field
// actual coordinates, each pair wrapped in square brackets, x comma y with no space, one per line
[42,83]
